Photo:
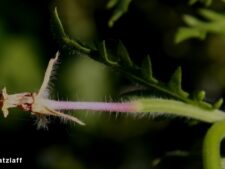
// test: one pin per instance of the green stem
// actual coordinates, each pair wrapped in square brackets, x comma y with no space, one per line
[153,106]
[173,107]
[211,146]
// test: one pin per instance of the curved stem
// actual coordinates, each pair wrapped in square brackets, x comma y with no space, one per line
[154,106]
[211,146]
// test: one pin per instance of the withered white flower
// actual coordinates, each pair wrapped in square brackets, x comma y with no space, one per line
[36,103]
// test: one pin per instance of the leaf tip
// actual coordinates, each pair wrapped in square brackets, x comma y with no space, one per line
[218,103]
[201,95]
[147,69]
[175,82]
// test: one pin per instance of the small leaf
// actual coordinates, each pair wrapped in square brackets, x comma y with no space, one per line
[105,54]
[62,36]
[207,2]
[123,54]
[175,82]
[147,70]
[121,7]
[201,95]
[218,103]
[211,15]
[187,33]
[191,21]
[112,3]
[192,2]
[57,24]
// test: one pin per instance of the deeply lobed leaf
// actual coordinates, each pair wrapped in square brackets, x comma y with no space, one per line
[119,59]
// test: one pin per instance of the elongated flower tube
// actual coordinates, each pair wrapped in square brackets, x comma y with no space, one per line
[154,106]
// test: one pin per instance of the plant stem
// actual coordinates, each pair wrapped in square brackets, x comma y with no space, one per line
[179,108]
[211,146]
[154,106]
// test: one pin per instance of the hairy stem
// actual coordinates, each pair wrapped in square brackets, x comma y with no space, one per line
[211,146]
[154,106]
[93,106]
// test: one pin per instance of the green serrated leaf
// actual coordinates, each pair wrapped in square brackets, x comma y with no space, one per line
[124,64]
[175,82]
[124,56]
[147,70]
[187,33]
[218,103]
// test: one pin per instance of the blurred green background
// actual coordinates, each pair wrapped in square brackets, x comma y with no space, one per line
[109,141]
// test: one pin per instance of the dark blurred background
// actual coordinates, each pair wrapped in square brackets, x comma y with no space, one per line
[107,141]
